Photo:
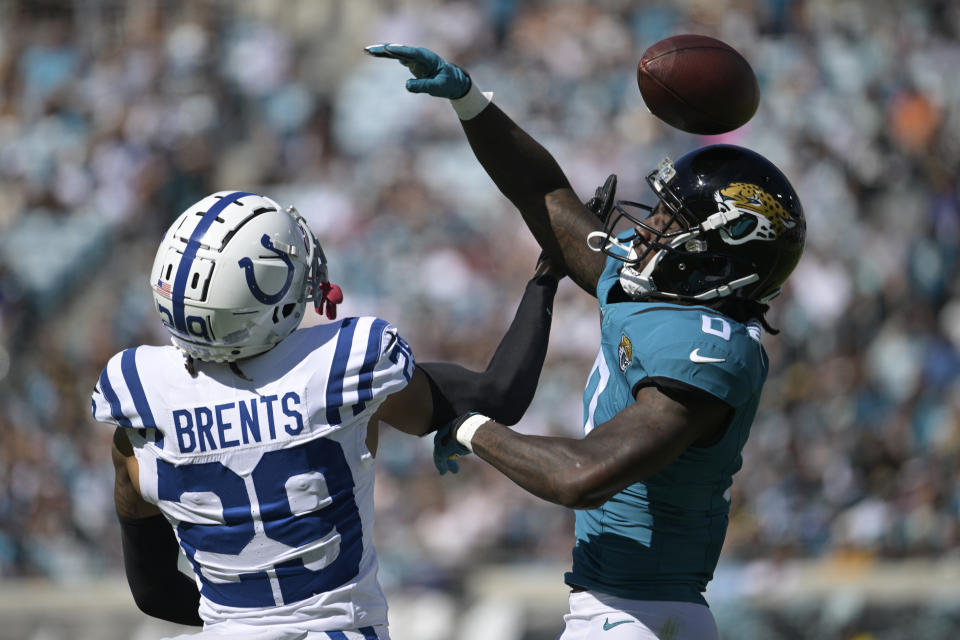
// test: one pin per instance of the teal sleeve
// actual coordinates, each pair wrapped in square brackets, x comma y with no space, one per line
[671,344]
[723,382]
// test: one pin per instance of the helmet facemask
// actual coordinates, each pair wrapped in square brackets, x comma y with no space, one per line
[316,260]
[319,290]
[672,259]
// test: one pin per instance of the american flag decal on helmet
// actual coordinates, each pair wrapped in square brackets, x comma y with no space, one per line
[164,288]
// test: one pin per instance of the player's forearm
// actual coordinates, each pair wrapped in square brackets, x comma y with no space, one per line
[560,470]
[506,387]
[150,552]
[531,179]
[522,168]
[511,376]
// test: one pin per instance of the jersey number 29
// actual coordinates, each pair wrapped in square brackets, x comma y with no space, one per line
[271,512]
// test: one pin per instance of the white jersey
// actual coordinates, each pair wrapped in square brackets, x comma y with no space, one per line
[268,483]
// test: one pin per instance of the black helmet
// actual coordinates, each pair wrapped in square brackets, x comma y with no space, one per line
[735,228]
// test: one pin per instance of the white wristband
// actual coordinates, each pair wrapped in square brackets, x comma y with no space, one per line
[472,102]
[469,427]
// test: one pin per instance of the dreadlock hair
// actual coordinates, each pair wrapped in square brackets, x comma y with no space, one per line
[743,310]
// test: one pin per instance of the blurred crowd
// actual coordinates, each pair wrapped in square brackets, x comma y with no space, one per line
[114,116]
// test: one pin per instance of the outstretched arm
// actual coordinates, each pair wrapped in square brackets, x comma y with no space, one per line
[582,474]
[522,169]
[531,179]
[439,392]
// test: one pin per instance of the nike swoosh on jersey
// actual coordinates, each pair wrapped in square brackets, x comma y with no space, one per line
[696,357]
[607,625]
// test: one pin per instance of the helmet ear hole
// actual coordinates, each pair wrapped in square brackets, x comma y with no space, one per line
[283,311]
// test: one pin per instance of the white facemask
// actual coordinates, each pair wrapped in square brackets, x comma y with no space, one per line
[635,283]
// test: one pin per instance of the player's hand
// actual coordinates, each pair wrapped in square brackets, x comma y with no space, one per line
[604,199]
[432,74]
[446,449]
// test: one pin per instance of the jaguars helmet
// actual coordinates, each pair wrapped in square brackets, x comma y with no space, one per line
[734,227]
[233,275]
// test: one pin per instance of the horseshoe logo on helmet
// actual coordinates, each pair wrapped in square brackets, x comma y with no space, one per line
[247,265]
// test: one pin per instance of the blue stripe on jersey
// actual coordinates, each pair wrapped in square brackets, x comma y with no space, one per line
[402,349]
[193,244]
[370,360]
[112,398]
[337,635]
[128,365]
[368,633]
[341,355]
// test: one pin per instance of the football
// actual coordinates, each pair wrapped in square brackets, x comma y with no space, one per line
[698,84]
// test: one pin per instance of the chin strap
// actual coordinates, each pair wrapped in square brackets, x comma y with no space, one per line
[331,296]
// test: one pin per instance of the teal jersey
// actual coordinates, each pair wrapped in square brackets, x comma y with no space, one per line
[660,539]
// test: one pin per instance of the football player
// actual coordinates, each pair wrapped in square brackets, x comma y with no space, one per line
[251,443]
[669,402]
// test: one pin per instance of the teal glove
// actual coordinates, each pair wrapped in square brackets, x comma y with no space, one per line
[432,74]
[446,449]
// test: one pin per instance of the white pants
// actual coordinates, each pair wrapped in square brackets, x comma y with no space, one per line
[598,616]
[380,632]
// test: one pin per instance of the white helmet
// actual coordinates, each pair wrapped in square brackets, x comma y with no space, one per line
[233,274]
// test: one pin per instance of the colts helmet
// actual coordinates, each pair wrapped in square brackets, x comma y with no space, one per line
[735,227]
[233,274]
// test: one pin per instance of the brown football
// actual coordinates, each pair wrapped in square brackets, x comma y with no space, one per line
[698,84]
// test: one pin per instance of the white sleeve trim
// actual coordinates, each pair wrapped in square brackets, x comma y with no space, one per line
[469,427]
[472,102]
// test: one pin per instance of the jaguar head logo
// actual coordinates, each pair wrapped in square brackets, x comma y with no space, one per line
[624,352]
[762,217]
